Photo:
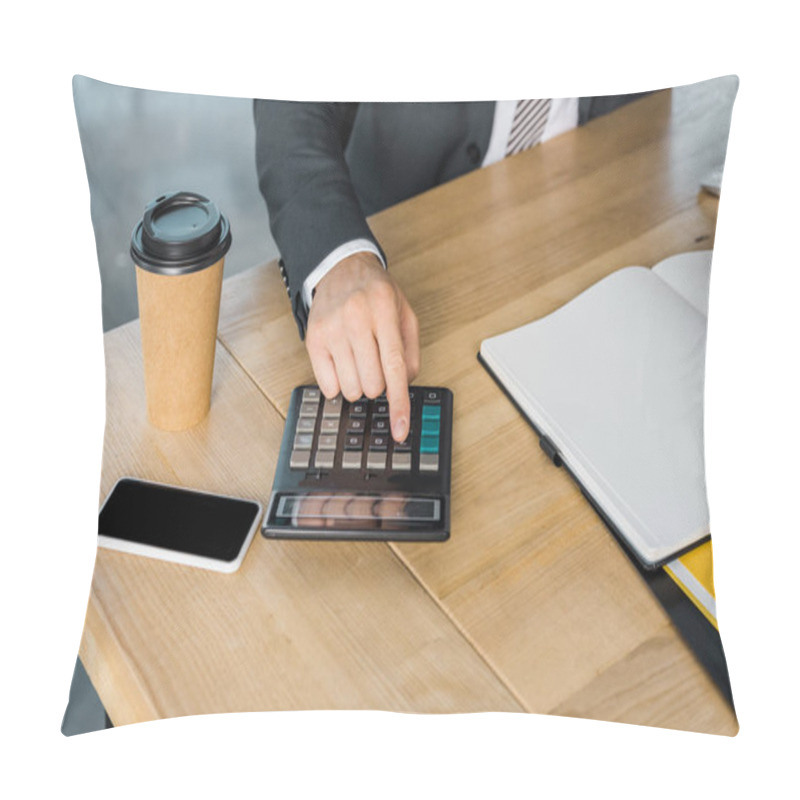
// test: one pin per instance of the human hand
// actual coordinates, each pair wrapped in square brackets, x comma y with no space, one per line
[362,337]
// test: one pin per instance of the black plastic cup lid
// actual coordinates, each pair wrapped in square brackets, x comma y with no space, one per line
[180,233]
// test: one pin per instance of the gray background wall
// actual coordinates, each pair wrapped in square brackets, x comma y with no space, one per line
[138,144]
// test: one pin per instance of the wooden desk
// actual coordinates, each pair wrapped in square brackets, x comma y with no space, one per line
[531,605]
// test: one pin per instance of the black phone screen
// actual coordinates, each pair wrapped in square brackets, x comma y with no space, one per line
[177,519]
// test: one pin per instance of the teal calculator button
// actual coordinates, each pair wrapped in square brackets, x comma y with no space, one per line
[430,427]
[429,444]
[431,412]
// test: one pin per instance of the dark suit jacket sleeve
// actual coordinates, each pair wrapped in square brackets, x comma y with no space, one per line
[306,183]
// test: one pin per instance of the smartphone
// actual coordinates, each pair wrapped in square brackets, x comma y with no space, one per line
[176,524]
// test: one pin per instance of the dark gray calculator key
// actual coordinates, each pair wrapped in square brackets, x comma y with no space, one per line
[380,443]
[358,409]
[432,396]
[309,409]
[354,441]
[356,425]
[381,409]
[428,462]
[311,395]
[376,460]
[324,459]
[306,425]
[401,461]
[403,447]
[380,425]
[332,407]
[327,426]
[302,441]
[351,459]
[327,441]
[299,459]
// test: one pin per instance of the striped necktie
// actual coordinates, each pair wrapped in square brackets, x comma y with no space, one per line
[530,117]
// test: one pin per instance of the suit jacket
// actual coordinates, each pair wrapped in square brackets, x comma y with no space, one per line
[324,167]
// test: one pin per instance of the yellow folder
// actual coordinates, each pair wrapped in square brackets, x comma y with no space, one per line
[693,572]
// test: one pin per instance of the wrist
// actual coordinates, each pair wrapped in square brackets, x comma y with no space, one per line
[332,260]
[357,266]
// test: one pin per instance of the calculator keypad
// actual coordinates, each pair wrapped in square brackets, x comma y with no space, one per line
[333,433]
[341,475]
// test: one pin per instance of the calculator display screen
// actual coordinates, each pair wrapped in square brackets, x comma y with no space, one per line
[356,510]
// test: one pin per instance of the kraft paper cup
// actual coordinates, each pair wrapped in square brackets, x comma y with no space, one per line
[179,251]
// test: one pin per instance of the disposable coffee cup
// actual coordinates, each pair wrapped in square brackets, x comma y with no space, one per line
[179,249]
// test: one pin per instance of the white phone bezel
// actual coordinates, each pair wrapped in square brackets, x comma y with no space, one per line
[176,556]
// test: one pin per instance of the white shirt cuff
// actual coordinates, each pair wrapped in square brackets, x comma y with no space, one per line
[332,259]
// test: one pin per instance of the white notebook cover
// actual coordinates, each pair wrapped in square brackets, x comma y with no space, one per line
[614,379]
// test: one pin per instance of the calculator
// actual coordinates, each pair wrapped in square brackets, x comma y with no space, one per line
[340,474]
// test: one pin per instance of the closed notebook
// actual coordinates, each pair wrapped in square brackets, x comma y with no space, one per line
[613,381]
